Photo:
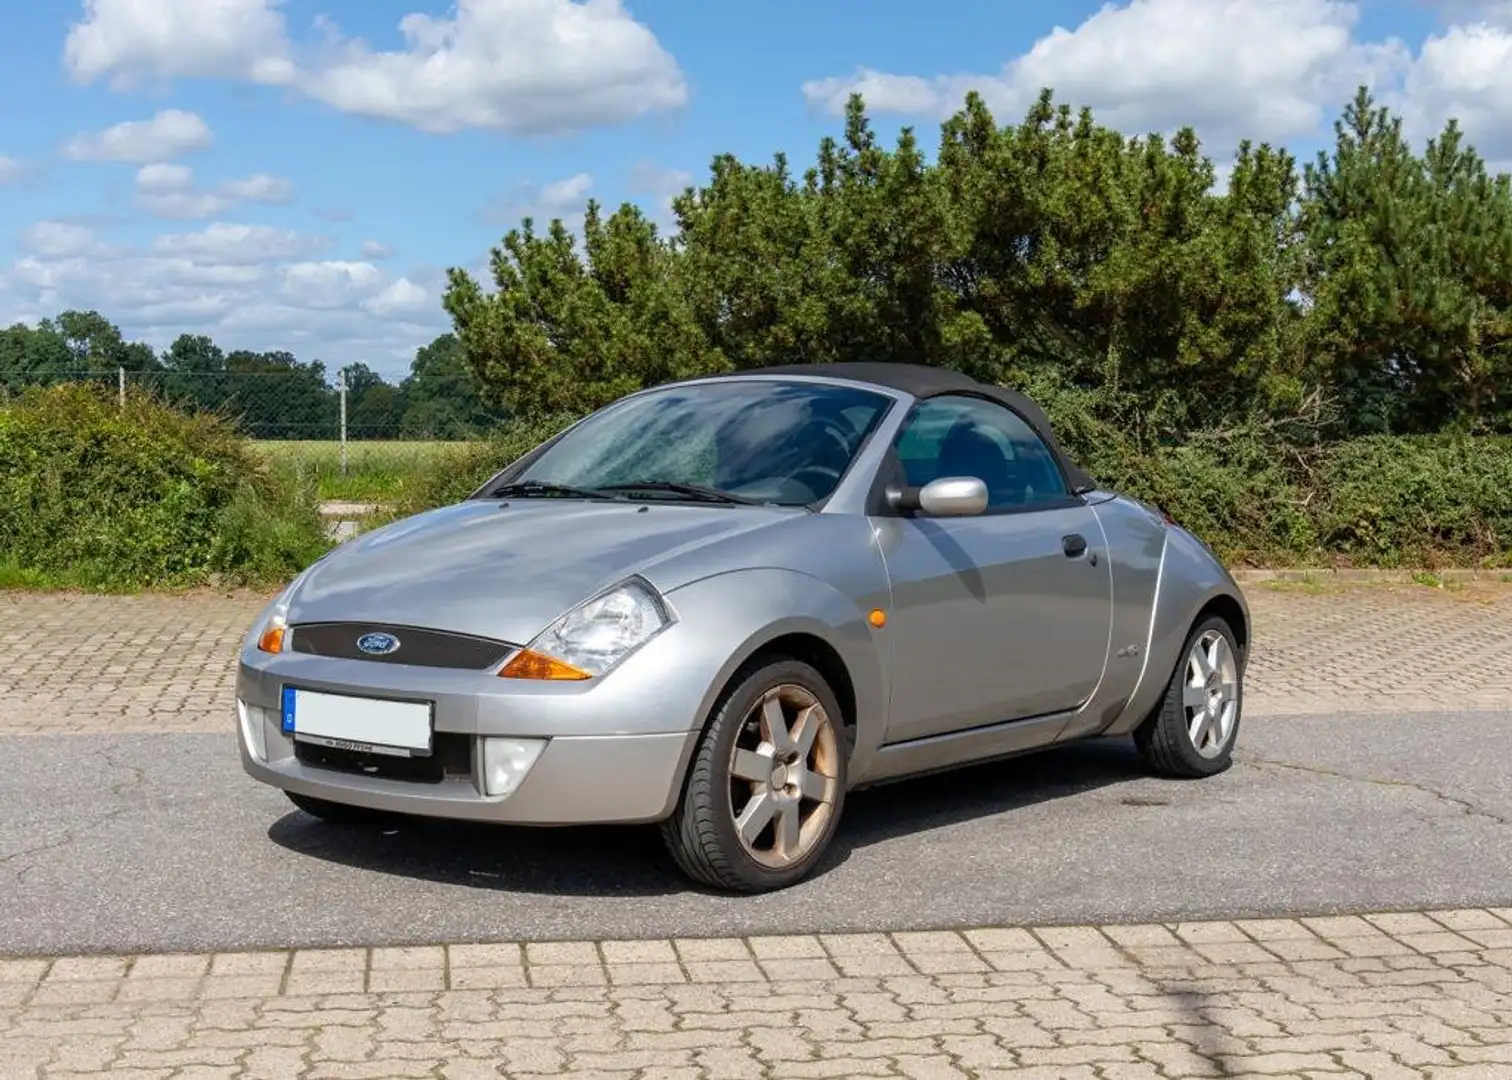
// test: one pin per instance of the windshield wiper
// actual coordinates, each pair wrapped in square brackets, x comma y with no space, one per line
[526,488]
[692,491]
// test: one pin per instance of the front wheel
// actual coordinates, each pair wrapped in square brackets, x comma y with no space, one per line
[1191,734]
[766,785]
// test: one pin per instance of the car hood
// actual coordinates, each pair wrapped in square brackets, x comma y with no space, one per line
[508,570]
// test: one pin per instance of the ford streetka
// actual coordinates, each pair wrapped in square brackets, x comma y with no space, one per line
[722,604]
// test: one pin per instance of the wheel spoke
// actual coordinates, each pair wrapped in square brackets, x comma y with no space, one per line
[774,727]
[788,829]
[806,730]
[756,815]
[1219,656]
[1200,727]
[1202,663]
[1194,697]
[816,786]
[1220,724]
[752,766]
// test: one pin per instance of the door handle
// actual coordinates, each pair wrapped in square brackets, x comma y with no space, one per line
[1073,545]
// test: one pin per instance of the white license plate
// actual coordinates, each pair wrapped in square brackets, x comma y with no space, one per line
[369,725]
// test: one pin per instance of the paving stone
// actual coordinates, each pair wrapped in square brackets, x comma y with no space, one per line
[72,663]
[768,1008]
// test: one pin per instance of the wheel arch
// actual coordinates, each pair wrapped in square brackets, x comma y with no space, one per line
[1193,585]
[1231,611]
[817,653]
[788,613]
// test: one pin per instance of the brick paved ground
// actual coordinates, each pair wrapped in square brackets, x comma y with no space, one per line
[162,663]
[1384,996]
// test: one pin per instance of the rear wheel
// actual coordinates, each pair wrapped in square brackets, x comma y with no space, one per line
[335,813]
[766,785]
[1192,732]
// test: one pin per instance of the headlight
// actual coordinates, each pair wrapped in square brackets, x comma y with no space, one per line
[593,637]
[271,633]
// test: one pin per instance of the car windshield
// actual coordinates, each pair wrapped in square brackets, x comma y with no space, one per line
[755,440]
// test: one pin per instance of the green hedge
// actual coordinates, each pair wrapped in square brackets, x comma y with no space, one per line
[1390,502]
[1417,502]
[99,496]
[450,476]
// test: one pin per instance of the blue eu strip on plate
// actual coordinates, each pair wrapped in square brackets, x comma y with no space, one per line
[288,709]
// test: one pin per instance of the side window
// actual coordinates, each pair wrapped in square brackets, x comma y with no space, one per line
[966,436]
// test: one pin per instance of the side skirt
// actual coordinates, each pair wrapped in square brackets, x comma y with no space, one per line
[938,753]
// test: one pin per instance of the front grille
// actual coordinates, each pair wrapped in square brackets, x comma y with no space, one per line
[422,648]
[451,756]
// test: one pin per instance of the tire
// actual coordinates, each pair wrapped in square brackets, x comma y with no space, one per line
[735,772]
[336,813]
[1171,740]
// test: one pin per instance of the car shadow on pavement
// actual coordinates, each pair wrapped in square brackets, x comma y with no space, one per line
[630,861]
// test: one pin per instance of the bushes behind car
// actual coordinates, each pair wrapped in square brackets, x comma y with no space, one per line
[1390,502]
[96,495]
[452,476]
[1256,499]
[100,495]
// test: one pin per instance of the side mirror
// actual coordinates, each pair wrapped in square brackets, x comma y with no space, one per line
[949,496]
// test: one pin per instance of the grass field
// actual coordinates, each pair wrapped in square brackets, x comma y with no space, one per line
[376,470]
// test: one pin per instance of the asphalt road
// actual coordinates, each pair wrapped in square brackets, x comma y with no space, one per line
[151,843]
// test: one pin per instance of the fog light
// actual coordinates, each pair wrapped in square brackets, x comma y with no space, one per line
[253,718]
[506,761]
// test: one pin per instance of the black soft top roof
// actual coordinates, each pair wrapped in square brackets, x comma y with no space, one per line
[922,381]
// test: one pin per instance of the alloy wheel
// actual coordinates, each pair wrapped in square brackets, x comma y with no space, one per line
[783,776]
[1210,694]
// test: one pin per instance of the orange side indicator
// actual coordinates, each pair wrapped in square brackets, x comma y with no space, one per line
[877,618]
[534,665]
[271,640]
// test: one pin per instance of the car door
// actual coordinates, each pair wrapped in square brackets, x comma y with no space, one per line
[999,616]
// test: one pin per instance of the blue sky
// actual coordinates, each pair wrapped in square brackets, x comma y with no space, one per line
[299,173]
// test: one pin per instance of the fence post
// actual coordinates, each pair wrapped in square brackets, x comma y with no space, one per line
[341,386]
[121,387]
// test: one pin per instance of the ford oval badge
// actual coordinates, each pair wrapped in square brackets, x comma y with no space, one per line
[378,644]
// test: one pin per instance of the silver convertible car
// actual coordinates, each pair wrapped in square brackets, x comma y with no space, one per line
[722,604]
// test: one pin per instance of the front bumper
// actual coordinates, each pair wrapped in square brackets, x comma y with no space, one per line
[615,749]
[577,780]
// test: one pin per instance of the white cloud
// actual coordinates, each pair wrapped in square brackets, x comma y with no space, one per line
[164,177]
[517,66]
[651,179]
[134,41]
[331,284]
[57,239]
[259,188]
[566,199]
[169,134]
[168,191]
[661,184]
[1231,68]
[567,193]
[401,297]
[181,205]
[10,170]
[1465,72]
[372,249]
[228,243]
[245,286]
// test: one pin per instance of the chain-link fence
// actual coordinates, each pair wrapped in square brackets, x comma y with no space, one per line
[359,435]
[302,404]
